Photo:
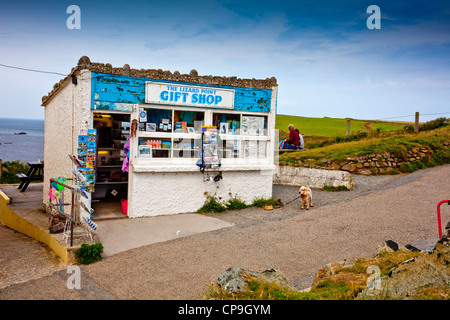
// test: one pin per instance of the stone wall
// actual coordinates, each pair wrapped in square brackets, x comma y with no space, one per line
[374,163]
[311,177]
[84,63]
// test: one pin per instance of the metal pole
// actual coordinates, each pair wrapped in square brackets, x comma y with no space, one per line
[439,216]
[71,219]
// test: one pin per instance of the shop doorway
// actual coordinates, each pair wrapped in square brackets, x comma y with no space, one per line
[111,185]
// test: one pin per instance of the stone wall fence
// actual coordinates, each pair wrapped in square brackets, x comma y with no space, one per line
[374,163]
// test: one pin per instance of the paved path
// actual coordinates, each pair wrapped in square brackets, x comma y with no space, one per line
[342,225]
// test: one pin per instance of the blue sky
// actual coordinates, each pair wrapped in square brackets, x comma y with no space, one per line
[327,62]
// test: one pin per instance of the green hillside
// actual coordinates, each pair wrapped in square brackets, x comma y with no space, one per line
[332,126]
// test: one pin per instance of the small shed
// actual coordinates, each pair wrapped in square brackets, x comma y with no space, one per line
[153,142]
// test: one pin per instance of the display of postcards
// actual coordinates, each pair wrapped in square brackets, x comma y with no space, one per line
[223,128]
[82,145]
[82,138]
[81,151]
[90,164]
[91,138]
[142,116]
[92,132]
[90,177]
[235,127]
[91,145]
[145,151]
[165,144]
[210,137]
[75,160]
[151,127]
[81,161]
[90,157]
[83,132]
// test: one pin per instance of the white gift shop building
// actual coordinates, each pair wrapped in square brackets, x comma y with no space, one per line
[160,141]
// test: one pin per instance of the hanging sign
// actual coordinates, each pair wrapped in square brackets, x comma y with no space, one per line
[184,95]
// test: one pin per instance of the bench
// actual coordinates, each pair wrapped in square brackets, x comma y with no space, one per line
[280,151]
[35,173]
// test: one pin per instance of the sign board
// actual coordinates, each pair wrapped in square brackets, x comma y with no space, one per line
[185,95]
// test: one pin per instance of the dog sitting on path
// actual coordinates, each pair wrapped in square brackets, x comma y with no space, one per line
[306,195]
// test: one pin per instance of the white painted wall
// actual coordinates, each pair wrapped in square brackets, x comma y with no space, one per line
[162,193]
[65,114]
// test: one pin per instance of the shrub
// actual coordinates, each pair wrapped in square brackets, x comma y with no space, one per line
[10,169]
[88,254]
[434,124]
[212,204]
[235,203]
[261,202]
[333,188]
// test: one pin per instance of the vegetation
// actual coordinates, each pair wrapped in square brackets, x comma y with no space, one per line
[215,204]
[396,143]
[10,169]
[88,254]
[333,126]
[346,284]
[333,188]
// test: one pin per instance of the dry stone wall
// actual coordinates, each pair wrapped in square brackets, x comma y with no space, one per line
[374,163]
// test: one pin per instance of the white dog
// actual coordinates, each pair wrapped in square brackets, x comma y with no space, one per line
[306,195]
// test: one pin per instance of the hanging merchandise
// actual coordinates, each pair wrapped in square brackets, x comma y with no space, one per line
[126,150]
[210,153]
[86,161]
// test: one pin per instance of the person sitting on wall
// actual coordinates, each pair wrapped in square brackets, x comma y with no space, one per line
[301,143]
[294,139]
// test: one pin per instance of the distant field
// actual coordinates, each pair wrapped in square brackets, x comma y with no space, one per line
[332,126]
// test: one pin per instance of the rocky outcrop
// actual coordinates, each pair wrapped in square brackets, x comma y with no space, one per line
[236,279]
[427,271]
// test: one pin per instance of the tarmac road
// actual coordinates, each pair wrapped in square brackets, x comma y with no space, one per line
[341,225]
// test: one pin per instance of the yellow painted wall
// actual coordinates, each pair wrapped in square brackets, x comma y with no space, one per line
[12,220]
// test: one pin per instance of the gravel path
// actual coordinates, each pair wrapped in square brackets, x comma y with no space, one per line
[341,225]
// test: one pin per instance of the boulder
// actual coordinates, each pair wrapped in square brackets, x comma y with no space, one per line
[331,269]
[236,279]
[426,271]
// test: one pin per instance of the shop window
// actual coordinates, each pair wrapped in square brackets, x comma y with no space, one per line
[186,148]
[253,125]
[188,121]
[254,149]
[227,123]
[229,149]
[154,148]
[155,120]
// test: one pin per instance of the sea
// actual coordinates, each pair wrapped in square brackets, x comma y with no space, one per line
[25,147]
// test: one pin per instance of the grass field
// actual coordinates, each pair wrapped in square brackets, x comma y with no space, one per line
[332,126]
[393,142]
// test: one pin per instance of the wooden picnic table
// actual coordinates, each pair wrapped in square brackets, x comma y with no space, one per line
[35,173]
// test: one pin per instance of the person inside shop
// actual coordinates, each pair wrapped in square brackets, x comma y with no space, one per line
[294,139]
